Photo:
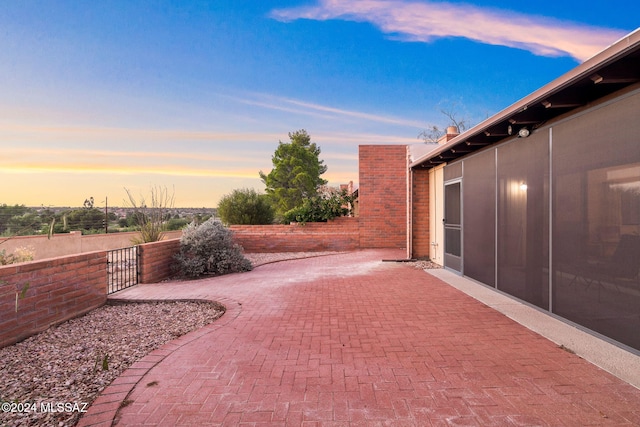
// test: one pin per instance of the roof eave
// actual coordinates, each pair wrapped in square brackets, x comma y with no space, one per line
[587,68]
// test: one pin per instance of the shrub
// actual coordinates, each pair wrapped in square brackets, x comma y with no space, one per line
[246,207]
[209,249]
[321,208]
[177,224]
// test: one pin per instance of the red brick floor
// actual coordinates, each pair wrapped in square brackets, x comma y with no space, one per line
[351,341]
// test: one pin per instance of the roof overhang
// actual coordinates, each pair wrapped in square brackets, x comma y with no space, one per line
[613,69]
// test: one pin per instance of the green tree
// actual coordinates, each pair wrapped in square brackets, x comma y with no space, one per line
[245,206]
[296,172]
[85,219]
[11,218]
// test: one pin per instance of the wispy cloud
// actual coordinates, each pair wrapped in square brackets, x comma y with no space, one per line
[427,21]
[321,111]
[355,139]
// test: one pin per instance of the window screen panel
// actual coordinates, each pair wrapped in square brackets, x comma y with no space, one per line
[479,217]
[596,216]
[523,218]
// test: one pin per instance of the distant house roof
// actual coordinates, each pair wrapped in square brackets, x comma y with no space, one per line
[615,68]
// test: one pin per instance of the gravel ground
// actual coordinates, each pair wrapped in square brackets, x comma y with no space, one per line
[66,363]
[424,264]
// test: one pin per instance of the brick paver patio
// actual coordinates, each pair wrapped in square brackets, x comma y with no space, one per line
[348,340]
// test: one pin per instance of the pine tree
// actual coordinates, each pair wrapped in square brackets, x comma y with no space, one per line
[296,172]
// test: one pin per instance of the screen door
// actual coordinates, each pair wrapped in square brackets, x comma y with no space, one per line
[453,226]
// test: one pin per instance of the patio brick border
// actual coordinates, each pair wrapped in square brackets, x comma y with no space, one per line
[103,410]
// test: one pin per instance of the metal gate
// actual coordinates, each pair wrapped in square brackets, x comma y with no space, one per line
[122,268]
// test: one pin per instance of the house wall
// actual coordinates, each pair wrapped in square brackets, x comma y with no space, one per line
[427,211]
[554,219]
[57,289]
[382,196]
[436,214]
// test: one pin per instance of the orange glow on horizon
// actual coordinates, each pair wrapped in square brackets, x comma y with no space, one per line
[110,169]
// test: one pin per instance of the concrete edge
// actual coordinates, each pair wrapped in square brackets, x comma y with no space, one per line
[607,356]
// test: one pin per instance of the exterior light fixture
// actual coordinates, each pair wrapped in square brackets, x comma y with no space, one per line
[524,132]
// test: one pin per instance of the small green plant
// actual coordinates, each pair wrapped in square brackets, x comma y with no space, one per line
[102,362]
[209,249]
[21,294]
[105,362]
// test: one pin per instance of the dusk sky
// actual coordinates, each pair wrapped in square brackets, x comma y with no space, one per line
[96,96]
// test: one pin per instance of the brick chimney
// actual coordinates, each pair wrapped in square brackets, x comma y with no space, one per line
[452,132]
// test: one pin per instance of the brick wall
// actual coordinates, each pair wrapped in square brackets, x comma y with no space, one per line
[155,260]
[340,234]
[382,196]
[420,214]
[58,289]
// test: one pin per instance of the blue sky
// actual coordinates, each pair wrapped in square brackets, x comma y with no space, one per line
[195,95]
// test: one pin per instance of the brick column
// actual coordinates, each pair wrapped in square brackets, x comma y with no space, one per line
[420,213]
[382,196]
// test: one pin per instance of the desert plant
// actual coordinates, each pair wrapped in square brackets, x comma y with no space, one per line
[21,254]
[209,249]
[151,218]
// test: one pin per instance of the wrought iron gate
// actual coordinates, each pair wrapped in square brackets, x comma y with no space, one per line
[122,268]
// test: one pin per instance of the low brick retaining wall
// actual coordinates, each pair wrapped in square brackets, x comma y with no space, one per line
[56,290]
[341,234]
[156,260]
